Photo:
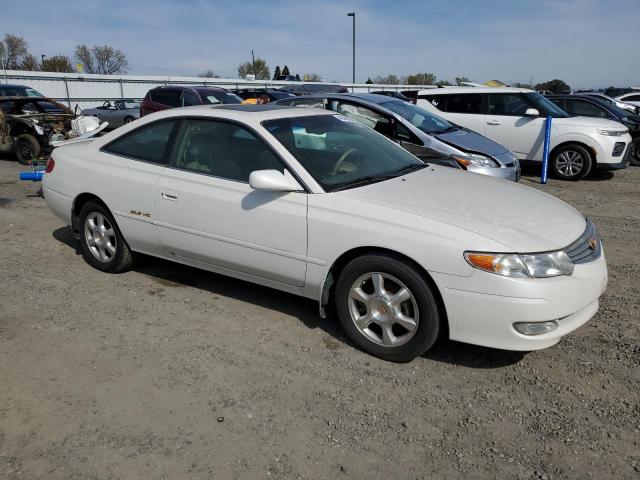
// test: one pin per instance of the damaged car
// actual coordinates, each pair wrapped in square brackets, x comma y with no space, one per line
[31,126]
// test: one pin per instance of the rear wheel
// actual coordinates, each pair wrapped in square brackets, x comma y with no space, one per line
[128,120]
[103,246]
[571,162]
[26,148]
[387,308]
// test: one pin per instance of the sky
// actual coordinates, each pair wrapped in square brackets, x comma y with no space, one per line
[587,43]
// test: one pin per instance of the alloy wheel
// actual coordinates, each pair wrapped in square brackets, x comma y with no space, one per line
[383,309]
[100,236]
[570,163]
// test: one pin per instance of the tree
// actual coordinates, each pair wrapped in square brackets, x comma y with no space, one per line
[311,77]
[460,80]
[30,63]
[57,63]
[285,71]
[369,81]
[277,72]
[556,86]
[388,80]
[523,85]
[208,74]
[13,51]
[443,83]
[102,59]
[258,68]
[421,79]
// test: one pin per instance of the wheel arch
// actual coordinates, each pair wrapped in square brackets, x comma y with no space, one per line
[79,202]
[586,146]
[328,285]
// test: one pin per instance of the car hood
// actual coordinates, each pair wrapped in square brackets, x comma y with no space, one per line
[520,218]
[470,141]
[589,122]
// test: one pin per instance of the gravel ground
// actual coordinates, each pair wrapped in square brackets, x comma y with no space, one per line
[168,372]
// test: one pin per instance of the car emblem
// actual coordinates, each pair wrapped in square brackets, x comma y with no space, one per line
[593,243]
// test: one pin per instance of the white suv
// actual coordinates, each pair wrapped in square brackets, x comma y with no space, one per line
[515,118]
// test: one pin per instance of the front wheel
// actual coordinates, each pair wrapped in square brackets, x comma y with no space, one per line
[26,148]
[571,162]
[387,308]
[128,120]
[103,246]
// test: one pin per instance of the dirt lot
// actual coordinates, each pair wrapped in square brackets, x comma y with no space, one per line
[167,372]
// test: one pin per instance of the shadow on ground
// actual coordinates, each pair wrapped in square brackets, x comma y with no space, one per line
[531,173]
[173,274]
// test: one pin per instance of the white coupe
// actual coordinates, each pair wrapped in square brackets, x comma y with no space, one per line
[313,203]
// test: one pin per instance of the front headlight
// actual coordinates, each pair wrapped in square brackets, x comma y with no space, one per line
[534,265]
[612,133]
[476,160]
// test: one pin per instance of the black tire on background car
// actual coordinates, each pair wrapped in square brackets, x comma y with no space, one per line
[635,158]
[26,148]
[571,162]
[103,246]
[387,308]
[128,119]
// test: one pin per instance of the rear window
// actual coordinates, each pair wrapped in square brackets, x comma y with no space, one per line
[168,97]
[214,97]
[147,143]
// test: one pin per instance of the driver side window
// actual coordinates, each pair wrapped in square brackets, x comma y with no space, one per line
[366,116]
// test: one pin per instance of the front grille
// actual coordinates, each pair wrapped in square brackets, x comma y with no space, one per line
[581,250]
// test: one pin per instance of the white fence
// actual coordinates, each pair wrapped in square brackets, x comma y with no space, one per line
[85,91]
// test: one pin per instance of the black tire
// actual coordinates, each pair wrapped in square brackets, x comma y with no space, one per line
[565,160]
[128,120]
[26,148]
[117,261]
[428,324]
[634,159]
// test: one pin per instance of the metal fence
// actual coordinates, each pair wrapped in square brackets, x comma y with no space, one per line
[85,91]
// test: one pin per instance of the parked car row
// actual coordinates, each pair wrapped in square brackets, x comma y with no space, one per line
[315,203]
[515,118]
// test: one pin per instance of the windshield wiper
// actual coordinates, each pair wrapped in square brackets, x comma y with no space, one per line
[410,168]
[362,181]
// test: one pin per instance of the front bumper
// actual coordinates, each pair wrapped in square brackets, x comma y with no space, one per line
[483,307]
[624,163]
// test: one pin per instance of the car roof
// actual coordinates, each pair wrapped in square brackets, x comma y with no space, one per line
[446,90]
[12,85]
[256,113]
[367,97]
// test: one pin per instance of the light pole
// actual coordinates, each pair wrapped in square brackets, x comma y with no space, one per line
[42,62]
[353,14]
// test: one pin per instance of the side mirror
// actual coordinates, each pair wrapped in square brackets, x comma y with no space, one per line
[532,112]
[270,181]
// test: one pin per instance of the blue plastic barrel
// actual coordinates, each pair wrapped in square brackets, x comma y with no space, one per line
[32,176]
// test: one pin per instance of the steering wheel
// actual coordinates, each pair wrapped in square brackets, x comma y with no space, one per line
[342,159]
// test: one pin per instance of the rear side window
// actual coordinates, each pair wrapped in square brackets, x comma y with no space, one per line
[464,103]
[632,98]
[317,103]
[370,118]
[585,109]
[168,97]
[507,104]
[438,101]
[148,143]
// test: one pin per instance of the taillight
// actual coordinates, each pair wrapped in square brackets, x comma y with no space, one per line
[50,164]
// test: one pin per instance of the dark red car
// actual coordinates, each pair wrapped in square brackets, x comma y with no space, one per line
[162,98]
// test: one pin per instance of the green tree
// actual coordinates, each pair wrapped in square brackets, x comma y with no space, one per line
[421,79]
[259,68]
[277,72]
[102,59]
[443,83]
[556,86]
[57,63]
[369,81]
[460,80]
[285,71]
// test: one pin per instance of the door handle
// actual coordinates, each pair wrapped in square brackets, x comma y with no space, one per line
[493,122]
[169,196]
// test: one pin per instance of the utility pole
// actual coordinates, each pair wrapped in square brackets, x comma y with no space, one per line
[253,63]
[42,62]
[353,15]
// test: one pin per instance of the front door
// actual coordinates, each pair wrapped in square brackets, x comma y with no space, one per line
[207,212]
[507,124]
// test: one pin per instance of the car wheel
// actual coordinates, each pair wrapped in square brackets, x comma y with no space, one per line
[634,159]
[571,162]
[26,148]
[128,120]
[387,308]
[103,246]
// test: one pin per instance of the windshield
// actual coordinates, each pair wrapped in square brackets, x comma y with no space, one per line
[220,97]
[341,153]
[546,106]
[30,92]
[425,121]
